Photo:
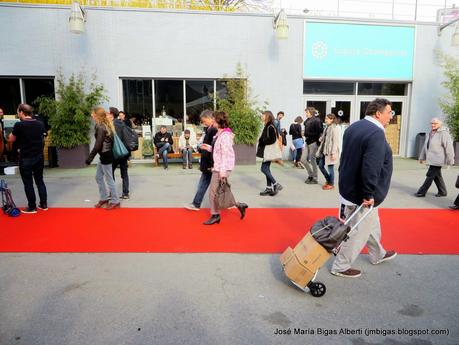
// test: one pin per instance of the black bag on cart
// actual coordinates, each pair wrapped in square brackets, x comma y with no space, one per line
[330,232]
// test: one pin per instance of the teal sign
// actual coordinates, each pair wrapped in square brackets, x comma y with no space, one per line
[358,51]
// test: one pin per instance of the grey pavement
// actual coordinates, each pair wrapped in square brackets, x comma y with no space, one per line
[224,298]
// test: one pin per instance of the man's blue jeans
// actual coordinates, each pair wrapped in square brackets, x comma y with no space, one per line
[32,169]
[163,151]
[330,174]
[203,185]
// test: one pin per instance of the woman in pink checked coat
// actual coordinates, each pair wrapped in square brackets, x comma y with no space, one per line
[223,156]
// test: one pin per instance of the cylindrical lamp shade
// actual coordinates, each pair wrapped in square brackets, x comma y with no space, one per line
[282,32]
[76,19]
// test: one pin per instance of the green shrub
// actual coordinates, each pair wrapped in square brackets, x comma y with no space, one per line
[244,116]
[69,115]
[449,104]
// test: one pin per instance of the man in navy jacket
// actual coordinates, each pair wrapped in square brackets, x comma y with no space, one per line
[364,178]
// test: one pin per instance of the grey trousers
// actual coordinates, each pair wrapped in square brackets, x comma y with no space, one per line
[104,178]
[367,233]
[310,159]
[213,193]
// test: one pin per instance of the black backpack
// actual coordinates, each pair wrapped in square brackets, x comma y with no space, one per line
[130,138]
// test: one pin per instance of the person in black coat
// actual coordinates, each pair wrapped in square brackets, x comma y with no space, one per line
[268,137]
[163,142]
[365,172]
[206,163]
[455,205]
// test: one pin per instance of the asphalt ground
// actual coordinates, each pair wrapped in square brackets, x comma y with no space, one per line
[224,298]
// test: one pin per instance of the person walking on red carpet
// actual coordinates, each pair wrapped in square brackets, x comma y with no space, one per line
[29,134]
[206,162]
[269,136]
[437,151]
[224,159]
[104,133]
[364,178]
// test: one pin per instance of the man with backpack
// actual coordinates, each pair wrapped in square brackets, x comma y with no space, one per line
[130,139]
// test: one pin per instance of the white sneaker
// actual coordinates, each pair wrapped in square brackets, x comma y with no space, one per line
[192,207]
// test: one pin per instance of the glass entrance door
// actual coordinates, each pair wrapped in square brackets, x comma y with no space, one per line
[341,107]
[393,130]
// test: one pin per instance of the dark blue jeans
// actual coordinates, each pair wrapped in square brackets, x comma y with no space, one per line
[123,164]
[265,169]
[203,184]
[32,169]
[330,174]
[163,151]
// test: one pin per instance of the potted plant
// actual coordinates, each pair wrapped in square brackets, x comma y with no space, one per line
[69,117]
[449,103]
[244,116]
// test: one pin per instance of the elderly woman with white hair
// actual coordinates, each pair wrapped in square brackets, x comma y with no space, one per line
[437,152]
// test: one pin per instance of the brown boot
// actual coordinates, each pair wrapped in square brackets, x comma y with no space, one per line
[101,203]
[184,166]
[113,206]
[190,166]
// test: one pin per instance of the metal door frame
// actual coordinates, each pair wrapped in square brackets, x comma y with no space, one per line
[330,102]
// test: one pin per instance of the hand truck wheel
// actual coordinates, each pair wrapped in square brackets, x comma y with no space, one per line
[317,289]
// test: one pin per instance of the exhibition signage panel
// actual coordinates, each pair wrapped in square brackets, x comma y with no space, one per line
[358,51]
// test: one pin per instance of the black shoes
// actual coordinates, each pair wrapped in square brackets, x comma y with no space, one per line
[438,195]
[241,207]
[29,210]
[42,206]
[267,191]
[311,180]
[454,207]
[419,195]
[215,218]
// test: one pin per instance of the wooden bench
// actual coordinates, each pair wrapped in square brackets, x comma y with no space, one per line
[177,154]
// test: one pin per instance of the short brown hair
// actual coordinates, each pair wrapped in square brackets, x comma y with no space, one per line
[311,110]
[299,119]
[332,117]
[221,118]
[26,109]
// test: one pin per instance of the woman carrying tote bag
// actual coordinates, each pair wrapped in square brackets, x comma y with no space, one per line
[104,133]
[224,159]
[269,150]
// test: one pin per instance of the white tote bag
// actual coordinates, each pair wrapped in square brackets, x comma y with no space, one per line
[272,152]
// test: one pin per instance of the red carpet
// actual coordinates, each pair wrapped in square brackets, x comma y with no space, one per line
[175,230]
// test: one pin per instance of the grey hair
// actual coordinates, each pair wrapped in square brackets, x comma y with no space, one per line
[207,113]
[437,120]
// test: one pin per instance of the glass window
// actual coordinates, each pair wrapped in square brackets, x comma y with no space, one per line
[169,104]
[328,88]
[35,88]
[199,96]
[390,89]
[10,95]
[138,100]
[221,89]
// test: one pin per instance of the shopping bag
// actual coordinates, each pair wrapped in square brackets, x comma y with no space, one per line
[272,152]
[457,182]
[224,198]
[119,150]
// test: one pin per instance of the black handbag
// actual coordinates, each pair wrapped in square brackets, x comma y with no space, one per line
[457,182]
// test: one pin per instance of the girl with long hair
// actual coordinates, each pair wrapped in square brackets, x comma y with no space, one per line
[329,151]
[104,134]
[268,136]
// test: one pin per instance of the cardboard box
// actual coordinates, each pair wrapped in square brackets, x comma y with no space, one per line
[310,253]
[294,270]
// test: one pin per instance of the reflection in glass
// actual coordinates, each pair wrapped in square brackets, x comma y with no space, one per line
[35,88]
[328,88]
[169,100]
[138,100]
[390,89]
[10,95]
[199,97]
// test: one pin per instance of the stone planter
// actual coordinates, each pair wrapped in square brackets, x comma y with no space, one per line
[73,158]
[245,154]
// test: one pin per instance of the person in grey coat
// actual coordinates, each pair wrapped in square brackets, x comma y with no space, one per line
[437,151]
[329,151]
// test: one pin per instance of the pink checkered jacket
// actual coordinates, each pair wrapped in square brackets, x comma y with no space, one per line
[223,153]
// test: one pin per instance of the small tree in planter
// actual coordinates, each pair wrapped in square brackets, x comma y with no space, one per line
[449,104]
[69,117]
[244,116]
